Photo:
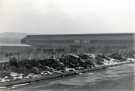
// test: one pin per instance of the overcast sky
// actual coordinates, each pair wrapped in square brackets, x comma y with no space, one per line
[67,16]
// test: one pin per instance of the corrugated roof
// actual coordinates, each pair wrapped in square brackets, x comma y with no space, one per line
[14,45]
[107,36]
[94,34]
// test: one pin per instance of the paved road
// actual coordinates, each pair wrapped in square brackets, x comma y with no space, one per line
[119,78]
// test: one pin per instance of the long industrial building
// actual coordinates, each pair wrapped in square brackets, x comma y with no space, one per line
[82,42]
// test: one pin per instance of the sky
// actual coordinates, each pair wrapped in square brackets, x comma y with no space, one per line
[67,16]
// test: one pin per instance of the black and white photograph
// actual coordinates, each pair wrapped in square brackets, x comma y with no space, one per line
[67,45]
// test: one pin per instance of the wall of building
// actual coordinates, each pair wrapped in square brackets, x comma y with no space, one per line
[82,42]
[18,51]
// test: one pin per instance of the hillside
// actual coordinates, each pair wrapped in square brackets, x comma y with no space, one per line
[11,37]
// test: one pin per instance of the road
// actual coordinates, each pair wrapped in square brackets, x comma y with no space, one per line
[119,78]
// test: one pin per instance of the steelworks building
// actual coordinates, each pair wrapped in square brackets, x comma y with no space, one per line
[82,42]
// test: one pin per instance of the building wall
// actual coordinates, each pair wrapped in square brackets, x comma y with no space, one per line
[16,51]
[82,42]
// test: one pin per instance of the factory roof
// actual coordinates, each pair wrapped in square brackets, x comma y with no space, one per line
[20,45]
